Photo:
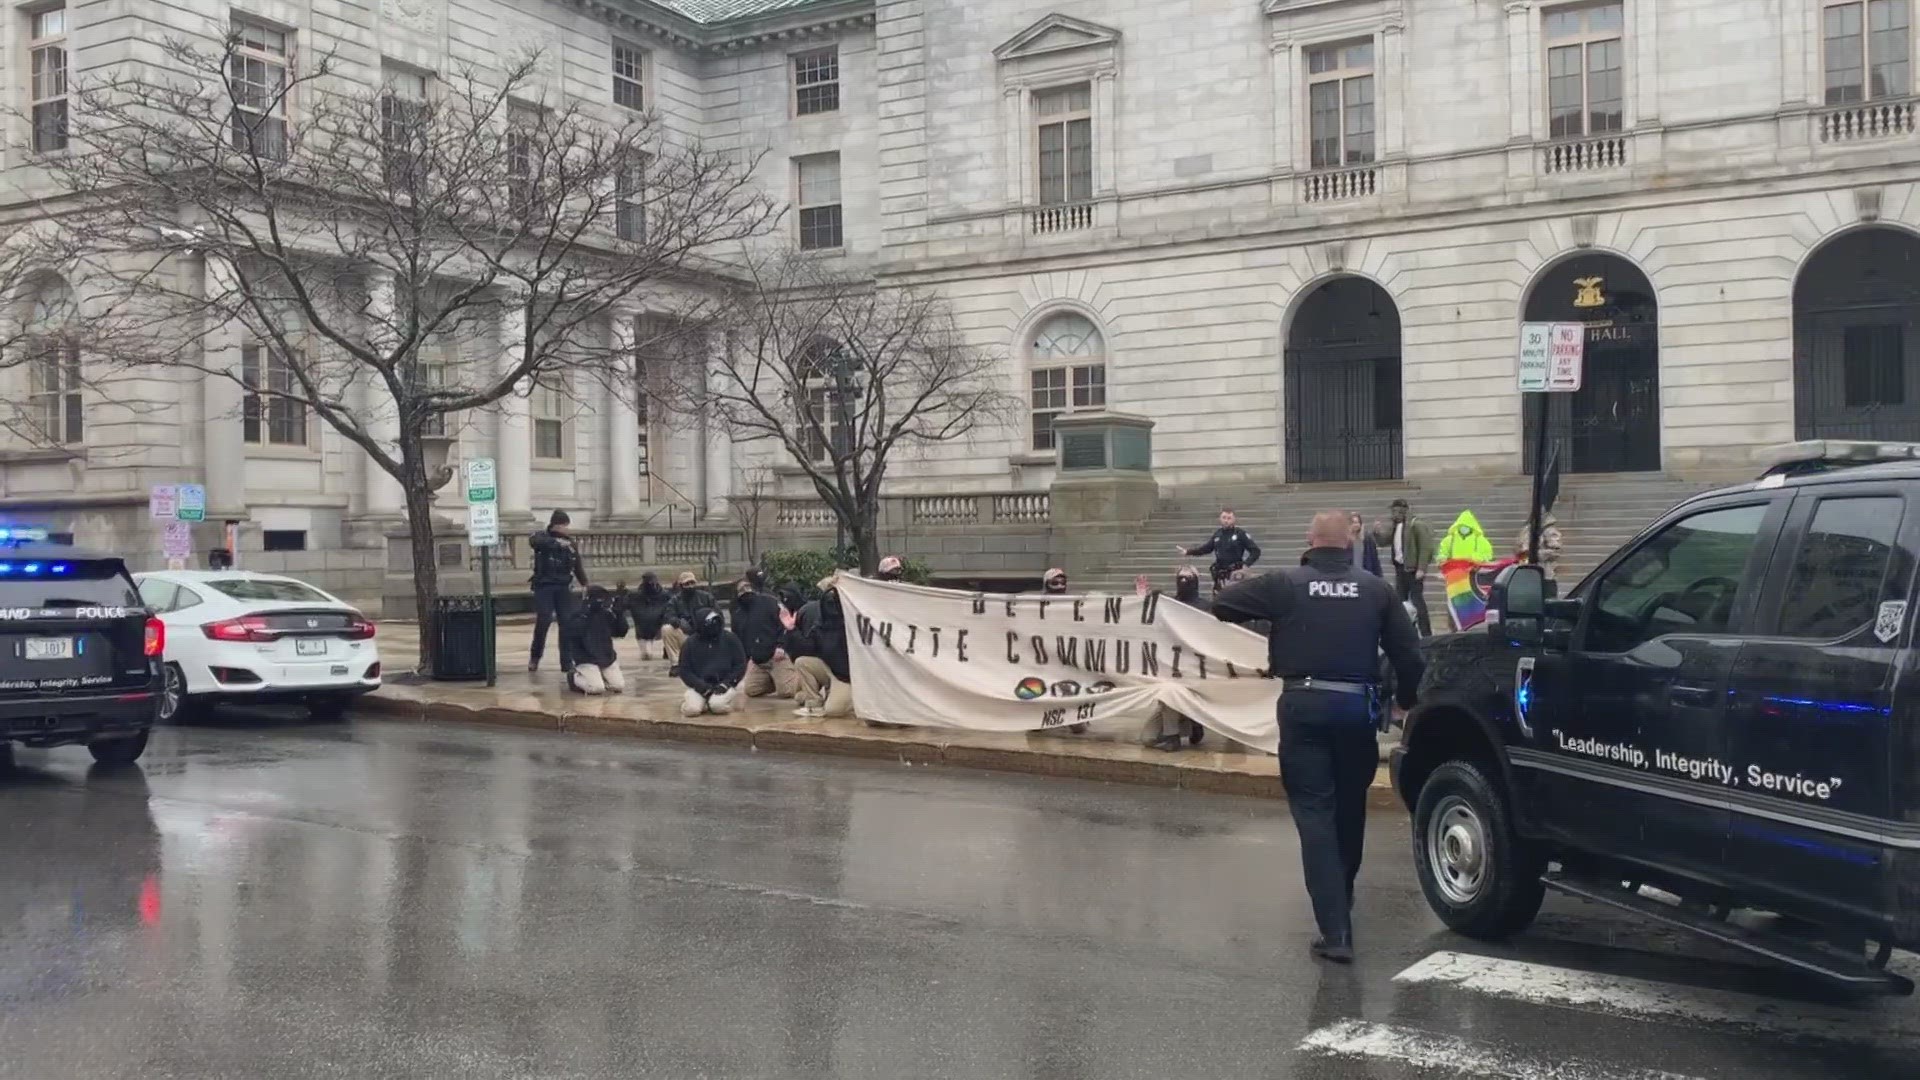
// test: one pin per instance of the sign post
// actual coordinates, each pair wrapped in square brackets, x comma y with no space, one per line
[1552,356]
[483,531]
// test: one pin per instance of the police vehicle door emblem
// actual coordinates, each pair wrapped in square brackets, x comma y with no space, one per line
[1893,616]
[1523,693]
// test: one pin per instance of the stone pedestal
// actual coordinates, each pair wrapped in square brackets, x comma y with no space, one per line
[1103,489]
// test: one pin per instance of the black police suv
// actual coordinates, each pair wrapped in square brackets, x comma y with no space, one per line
[79,652]
[1727,711]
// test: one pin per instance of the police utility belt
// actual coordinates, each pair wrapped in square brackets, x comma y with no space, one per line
[1332,686]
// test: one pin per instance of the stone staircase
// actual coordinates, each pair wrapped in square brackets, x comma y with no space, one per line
[1597,514]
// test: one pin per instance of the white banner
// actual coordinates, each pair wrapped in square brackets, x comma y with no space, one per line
[983,662]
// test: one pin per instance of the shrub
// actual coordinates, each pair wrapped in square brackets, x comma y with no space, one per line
[805,567]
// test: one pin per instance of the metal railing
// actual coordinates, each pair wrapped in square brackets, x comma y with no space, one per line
[1586,155]
[1864,120]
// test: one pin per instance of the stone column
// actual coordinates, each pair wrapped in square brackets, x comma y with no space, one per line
[381,495]
[623,495]
[1106,132]
[1013,116]
[223,441]
[1391,104]
[513,431]
[1286,140]
[1521,94]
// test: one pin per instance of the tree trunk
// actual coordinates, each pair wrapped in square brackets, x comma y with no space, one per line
[863,532]
[426,562]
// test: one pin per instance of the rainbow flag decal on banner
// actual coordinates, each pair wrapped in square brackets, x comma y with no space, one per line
[1468,585]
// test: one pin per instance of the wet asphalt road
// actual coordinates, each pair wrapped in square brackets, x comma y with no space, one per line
[269,900]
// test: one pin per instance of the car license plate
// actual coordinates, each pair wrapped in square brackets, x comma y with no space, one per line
[49,648]
[309,646]
[339,669]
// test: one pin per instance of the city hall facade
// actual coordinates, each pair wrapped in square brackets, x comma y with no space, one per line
[1299,236]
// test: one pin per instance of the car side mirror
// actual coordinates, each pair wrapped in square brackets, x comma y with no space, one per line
[1517,605]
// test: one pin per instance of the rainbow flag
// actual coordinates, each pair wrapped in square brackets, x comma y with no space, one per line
[1468,584]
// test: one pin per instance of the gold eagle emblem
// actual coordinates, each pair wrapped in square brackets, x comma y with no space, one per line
[1589,294]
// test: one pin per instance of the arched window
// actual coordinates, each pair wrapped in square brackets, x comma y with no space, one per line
[829,383]
[55,408]
[1067,358]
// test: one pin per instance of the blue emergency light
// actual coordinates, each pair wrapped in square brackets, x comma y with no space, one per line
[34,569]
[17,534]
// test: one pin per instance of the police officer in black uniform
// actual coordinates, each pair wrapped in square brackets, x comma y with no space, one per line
[1330,619]
[556,565]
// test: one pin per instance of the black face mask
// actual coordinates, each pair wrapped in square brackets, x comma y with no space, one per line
[1056,588]
[1186,588]
[710,628]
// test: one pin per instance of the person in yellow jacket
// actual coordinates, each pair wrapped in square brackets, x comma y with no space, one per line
[1465,539]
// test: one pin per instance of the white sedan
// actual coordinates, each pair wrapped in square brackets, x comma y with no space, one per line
[235,636]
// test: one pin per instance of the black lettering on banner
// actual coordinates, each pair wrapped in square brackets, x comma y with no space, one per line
[1009,607]
[1067,651]
[979,603]
[1150,608]
[865,626]
[1043,609]
[913,636]
[1053,718]
[934,632]
[1039,649]
[1123,657]
[1013,641]
[886,634]
[1079,607]
[1231,673]
[1177,650]
[1150,659]
[1094,655]
[960,644]
[1086,710]
[1202,657]
[1113,609]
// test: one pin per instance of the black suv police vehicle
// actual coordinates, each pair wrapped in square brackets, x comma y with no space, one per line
[79,652]
[1726,710]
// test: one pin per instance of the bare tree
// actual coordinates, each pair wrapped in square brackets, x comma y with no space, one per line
[397,256]
[841,376]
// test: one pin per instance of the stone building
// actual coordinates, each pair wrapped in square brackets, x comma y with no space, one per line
[1298,236]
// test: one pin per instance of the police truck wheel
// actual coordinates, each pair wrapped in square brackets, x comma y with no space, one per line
[119,753]
[1478,876]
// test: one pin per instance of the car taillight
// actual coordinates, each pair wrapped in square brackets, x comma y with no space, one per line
[359,629]
[243,629]
[156,642]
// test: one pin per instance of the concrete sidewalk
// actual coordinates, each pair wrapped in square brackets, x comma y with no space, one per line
[650,710]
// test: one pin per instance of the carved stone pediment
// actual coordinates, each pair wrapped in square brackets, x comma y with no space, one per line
[1054,34]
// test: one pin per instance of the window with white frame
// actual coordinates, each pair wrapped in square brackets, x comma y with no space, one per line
[268,417]
[257,70]
[1067,372]
[1063,139]
[1867,50]
[630,70]
[551,415]
[403,124]
[816,81]
[47,79]
[54,397]
[817,176]
[831,391]
[630,199]
[523,160]
[1340,104]
[431,368]
[1585,62]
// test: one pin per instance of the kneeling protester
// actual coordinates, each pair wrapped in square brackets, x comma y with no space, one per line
[712,664]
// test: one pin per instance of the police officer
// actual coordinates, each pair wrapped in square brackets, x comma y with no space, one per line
[1232,549]
[1329,620]
[556,565]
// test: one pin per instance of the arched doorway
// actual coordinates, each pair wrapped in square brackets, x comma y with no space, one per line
[1856,339]
[1343,385]
[1612,423]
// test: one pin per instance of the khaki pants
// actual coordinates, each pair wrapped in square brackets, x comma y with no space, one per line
[594,681]
[819,688]
[1167,723]
[652,648]
[695,704]
[673,639]
[778,679]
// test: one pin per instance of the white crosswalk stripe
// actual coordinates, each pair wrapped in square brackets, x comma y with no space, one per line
[1420,1049]
[1642,999]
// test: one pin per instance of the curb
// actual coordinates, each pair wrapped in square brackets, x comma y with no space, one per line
[909,747]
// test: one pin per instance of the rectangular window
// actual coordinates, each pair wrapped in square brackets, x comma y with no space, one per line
[1834,590]
[257,66]
[1867,48]
[816,81]
[283,539]
[1585,88]
[630,64]
[47,90]
[403,125]
[550,420]
[1049,400]
[523,160]
[57,407]
[630,200]
[1340,91]
[1064,136]
[431,369]
[268,416]
[819,183]
[825,408]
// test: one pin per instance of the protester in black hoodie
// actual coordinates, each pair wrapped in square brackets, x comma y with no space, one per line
[1055,584]
[758,623]
[689,600]
[589,633]
[1169,728]
[648,608]
[822,661]
[712,663]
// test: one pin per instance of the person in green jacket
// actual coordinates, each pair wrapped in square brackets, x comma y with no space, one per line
[1465,540]
[1410,543]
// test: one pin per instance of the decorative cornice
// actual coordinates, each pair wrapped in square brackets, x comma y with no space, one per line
[1070,34]
[648,19]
